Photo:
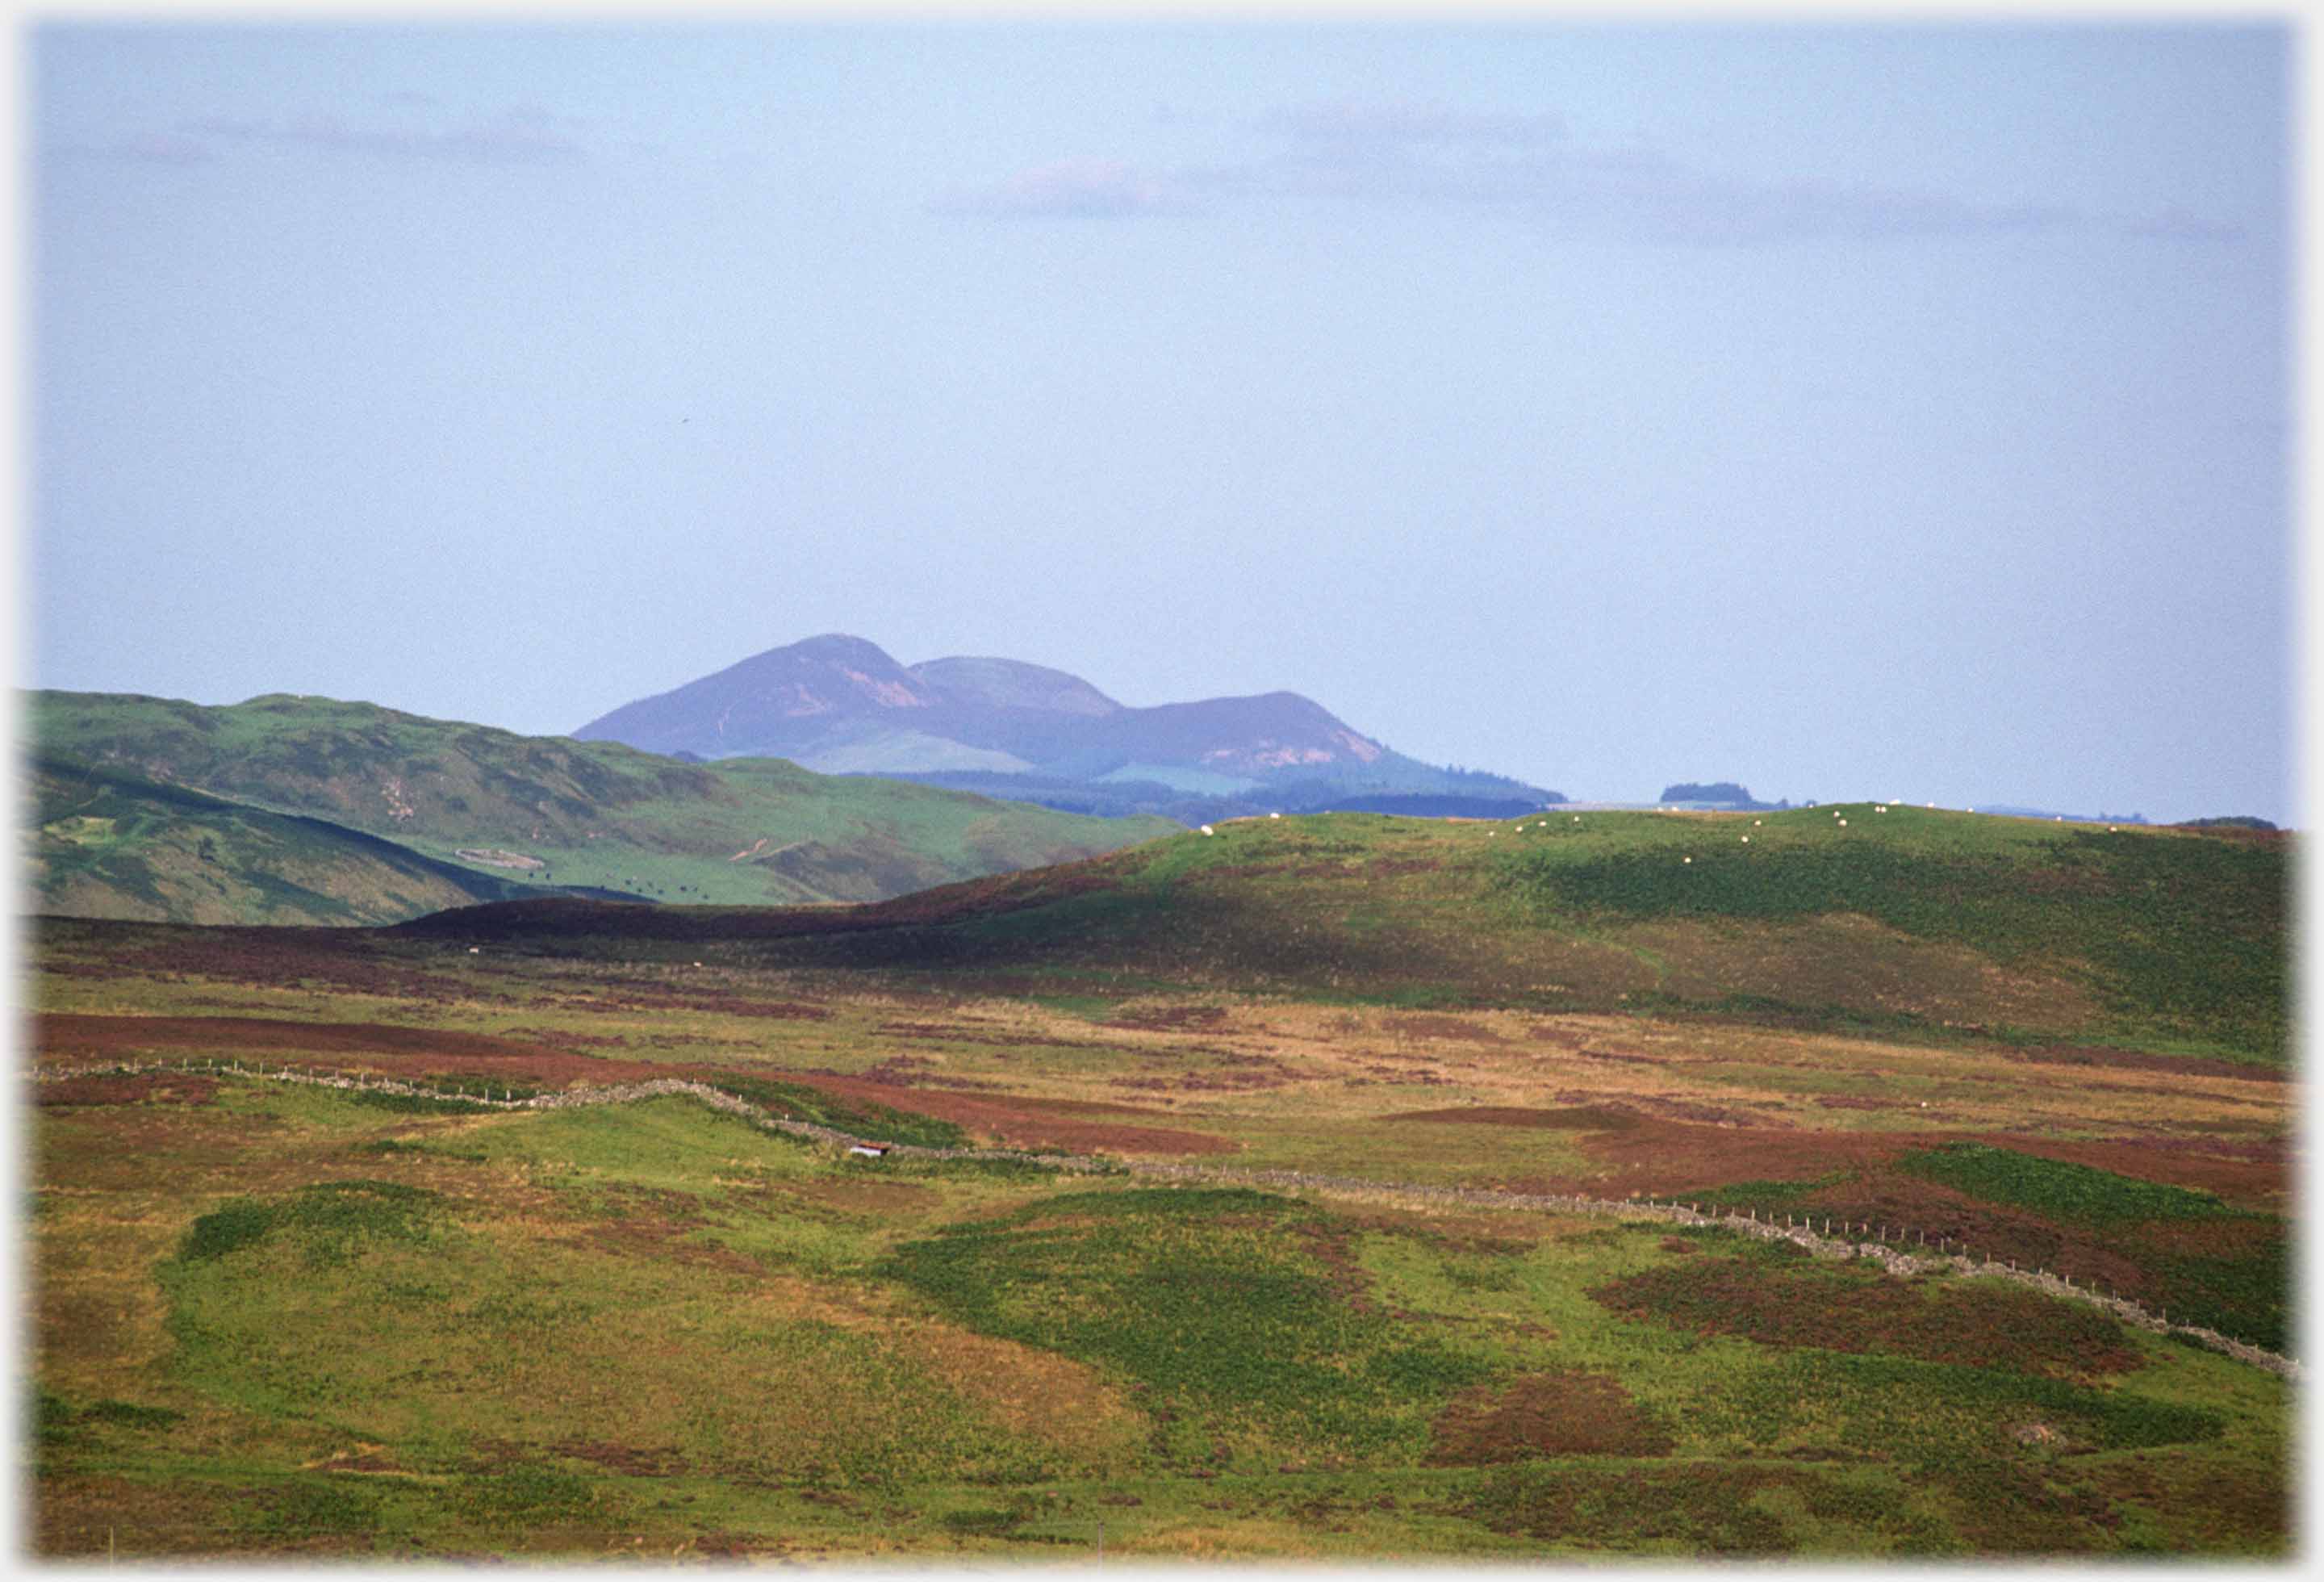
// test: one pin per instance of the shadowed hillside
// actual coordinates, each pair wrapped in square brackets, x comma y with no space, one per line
[112,845]
[1896,919]
[525,813]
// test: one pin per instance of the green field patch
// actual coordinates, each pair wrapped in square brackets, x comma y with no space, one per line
[1937,1416]
[503,1335]
[1761,1195]
[129,1414]
[56,1423]
[312,1510]
[2055,1188]
[1796,1301]
[1213,1305]
[2243,1293]
[330,1222]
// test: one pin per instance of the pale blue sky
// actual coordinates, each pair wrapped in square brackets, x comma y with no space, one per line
[1848,410]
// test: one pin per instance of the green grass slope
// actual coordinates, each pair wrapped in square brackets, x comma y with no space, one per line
[554,814]
[1899,920]
[111,845]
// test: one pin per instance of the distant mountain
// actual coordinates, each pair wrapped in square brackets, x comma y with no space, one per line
[841,705]
[310,786]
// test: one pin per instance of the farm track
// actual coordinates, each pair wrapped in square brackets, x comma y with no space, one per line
[1890,1256]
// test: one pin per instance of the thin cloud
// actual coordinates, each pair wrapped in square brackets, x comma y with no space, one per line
[521,136]
[1402,121]
[145,148]
[1396,154]
[1070,189]
[2177,224]
[1405,154]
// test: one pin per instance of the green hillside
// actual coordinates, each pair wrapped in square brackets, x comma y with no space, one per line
[111,845]
[2164,939]
[515,814]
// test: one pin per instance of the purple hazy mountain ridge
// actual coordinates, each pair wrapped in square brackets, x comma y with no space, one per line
[1007,683]
[767,701]
[837,701]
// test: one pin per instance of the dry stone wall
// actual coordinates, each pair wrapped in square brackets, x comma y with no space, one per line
[1892,1257]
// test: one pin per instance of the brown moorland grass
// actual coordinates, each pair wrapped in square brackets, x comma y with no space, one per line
[1795,1303]
[185,1088]
[84,1034]
[1531,1415]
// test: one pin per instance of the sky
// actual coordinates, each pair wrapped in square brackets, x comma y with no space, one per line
[1846,408]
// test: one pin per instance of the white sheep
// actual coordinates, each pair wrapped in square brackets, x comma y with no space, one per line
[1208,830]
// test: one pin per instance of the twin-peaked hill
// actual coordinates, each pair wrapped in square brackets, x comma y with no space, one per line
[840,704]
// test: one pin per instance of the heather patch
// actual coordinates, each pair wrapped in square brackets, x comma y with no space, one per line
[1797,1302]
[1562,1413]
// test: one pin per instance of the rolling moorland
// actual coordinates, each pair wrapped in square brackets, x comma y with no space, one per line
[1305,1190]
[296,810]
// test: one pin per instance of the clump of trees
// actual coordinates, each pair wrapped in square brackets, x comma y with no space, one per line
[1717,790]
